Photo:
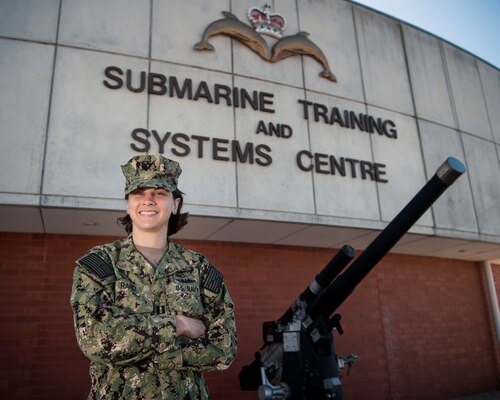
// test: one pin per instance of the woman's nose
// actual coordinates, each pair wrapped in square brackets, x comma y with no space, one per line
[148,199]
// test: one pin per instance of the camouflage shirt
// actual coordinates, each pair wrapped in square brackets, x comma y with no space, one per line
[124,316]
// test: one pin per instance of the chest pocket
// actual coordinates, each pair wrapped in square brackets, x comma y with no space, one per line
[183,295]
[132,298]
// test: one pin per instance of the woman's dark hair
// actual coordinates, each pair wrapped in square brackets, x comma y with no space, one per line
[175,223]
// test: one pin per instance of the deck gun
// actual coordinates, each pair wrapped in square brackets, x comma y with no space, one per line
[298,360]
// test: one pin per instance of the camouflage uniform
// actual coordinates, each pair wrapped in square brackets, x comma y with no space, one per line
[124,316]
[124,310]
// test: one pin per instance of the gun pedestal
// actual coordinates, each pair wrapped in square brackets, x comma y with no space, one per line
[267,391]
[312,370]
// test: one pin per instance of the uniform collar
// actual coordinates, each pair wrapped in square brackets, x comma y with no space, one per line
[131,259]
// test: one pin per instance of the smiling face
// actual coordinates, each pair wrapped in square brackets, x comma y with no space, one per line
[150,210]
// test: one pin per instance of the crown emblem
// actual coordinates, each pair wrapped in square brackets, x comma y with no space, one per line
[266,22]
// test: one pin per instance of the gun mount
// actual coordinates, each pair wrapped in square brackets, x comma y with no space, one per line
[298,359]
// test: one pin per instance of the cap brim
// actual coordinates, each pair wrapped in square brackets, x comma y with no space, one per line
[153,183]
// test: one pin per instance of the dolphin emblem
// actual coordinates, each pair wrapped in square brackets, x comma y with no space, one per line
[300,44]
[293,45]
[231,26]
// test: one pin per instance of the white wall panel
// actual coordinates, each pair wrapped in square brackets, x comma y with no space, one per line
[29,19]
[336,37]
[455,209]
[25,79]
[467,93]
[484,172]
[383,65]
[120,26]
[490,80]
[427,71]
[179,24]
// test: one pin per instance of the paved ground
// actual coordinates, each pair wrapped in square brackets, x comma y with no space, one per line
[483,396]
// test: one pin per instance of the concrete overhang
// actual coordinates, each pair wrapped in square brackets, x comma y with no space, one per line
[253,227]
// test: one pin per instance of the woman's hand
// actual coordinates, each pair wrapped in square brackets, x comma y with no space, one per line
[189,327]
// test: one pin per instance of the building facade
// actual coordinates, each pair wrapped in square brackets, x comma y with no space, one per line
[294,140]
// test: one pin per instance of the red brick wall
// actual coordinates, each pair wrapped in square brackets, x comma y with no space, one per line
[422,326]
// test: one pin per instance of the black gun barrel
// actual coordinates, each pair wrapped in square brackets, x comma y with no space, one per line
[343,257]
[333,296]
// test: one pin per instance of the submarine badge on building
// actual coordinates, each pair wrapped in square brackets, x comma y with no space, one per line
[268,23]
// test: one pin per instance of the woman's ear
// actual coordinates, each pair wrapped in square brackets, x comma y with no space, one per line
[177,202]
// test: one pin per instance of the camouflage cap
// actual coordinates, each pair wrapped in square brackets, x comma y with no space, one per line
[151,171]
